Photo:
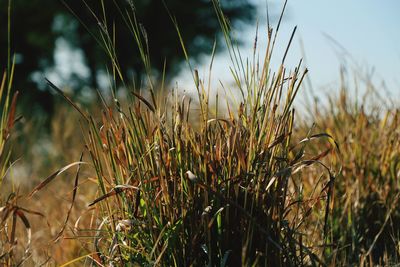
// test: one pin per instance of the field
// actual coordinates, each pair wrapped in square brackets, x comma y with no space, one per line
[235,178]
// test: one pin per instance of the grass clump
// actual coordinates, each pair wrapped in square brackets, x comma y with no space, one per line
[190,186]
[182,182]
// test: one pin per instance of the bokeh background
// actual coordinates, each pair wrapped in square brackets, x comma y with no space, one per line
[60,40]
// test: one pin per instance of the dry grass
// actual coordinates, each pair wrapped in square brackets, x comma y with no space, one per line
[366,220]
[169,180]
[220,191]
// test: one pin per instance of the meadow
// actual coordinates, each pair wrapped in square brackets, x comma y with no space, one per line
[235,178]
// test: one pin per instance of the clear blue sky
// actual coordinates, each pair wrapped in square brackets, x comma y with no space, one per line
[367,31]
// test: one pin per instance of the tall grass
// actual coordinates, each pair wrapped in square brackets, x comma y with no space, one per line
[15,247]
[183,182]
[184,186]
[9,211]
[366,215]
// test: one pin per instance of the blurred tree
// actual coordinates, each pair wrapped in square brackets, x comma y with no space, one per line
[37,24]
[32,42]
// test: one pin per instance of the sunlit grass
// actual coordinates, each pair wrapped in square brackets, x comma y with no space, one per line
[215,192]
[179,181]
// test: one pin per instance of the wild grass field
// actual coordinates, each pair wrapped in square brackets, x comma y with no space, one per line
[235,178]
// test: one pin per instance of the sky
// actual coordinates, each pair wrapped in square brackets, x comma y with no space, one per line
[362,35]
[366,32]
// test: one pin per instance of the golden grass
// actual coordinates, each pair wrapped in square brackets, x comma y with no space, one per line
[169,180]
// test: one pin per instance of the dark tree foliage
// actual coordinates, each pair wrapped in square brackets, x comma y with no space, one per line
[36,25]
[32,42]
